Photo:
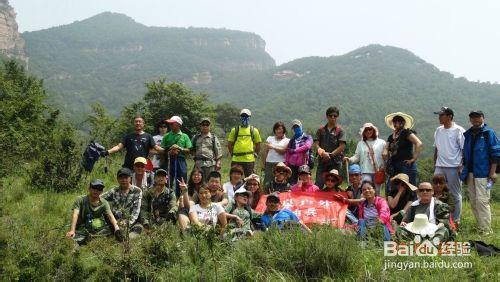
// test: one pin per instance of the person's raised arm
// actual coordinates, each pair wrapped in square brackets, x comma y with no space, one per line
[115,148]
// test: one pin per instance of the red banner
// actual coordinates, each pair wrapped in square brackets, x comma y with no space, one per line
[312,207]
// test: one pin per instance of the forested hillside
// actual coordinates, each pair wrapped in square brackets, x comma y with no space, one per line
[109,57]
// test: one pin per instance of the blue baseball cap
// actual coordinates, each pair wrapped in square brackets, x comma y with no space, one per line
[354,169]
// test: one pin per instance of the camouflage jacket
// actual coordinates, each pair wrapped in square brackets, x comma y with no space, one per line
[162,206]
[125,206]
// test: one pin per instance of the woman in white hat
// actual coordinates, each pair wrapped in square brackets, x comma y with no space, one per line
[402,149]
[369,154]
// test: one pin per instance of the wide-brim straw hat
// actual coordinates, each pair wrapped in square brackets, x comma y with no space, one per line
[421,225]
[408,119]
[283,166]
[335,173]
[405,179]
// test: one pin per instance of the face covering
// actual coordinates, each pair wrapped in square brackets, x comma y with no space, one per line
[245,121]
[297,131]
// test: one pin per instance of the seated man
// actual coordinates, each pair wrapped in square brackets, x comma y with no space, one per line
[274,216]
[88,216]
[280,183]
[240,214]
[436,211]
[206,213]
[125,201]
[141,178]
[305,183]
[217,192]
[159,203]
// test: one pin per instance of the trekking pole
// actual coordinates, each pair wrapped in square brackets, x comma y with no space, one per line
[168,171]
[347,172]
[176,186]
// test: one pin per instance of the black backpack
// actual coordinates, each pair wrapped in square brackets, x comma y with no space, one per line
[91,155]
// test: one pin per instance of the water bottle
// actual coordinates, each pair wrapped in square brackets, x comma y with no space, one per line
[489,184]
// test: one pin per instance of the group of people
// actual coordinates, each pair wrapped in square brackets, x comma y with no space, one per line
[144,198]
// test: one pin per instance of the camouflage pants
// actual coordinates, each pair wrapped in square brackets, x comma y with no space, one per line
[83,236]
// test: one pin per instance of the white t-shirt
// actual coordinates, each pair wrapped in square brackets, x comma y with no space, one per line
[449,143]
[207,216]
[156,157]
[273,156]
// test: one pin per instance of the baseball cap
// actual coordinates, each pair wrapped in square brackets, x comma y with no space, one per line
[246,112]
[446,111]
[161,172]
[354,169]
[97,184]
[175,119]
[296,122]
[304,169]
[476,113]
[206,119]
[124,172]
[140,160]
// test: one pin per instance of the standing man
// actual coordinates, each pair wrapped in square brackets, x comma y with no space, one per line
[243,143]
[448,146]
[178,145]
[125,201]
[137,144]
[330,143]
[481,156]
[206,150]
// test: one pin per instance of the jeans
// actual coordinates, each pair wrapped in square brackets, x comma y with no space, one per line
[362,230]
[178,171]
[401,167]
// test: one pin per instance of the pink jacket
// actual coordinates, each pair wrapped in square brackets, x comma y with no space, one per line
[305,188]
[384,213]
[299,155]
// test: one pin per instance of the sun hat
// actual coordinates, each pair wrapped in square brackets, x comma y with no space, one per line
[367,125]
[254,177]
[421,225]
[408,119]
[175,119]
[296,122]
[205,119]
[282,166]
[405,179]
[334,173]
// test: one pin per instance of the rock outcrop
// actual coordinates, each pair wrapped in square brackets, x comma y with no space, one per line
[11,42]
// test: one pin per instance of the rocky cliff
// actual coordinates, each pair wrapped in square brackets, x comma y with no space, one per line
[11,42]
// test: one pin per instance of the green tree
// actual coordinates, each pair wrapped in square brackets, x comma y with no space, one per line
[228,116]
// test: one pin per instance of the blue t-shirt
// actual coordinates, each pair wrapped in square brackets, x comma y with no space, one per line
[279,218]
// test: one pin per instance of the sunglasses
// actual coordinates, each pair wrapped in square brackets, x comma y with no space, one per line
[424,190]
[368,129]
[330,180]
[333,116]
[205,124]
[280,172]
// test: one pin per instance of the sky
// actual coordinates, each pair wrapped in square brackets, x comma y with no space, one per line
[461,37]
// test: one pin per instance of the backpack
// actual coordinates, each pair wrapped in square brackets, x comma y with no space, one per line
[237,133]
[214,148]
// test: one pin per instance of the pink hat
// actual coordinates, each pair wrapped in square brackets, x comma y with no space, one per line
[367,125]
